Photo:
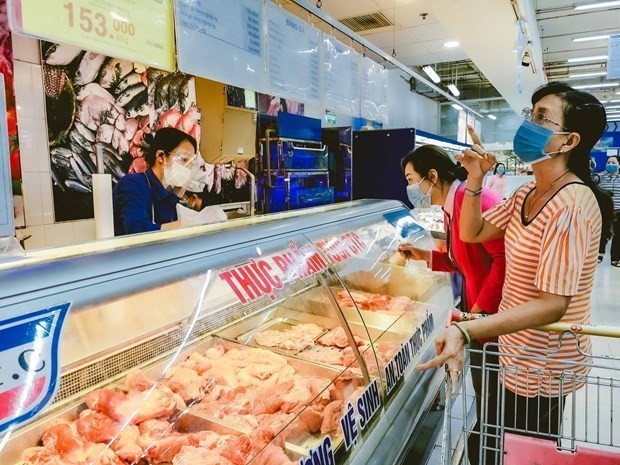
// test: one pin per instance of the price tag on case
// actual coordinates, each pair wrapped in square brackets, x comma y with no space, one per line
[30,365]
[136,30]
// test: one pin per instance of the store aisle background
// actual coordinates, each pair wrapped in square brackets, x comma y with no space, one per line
[601,403]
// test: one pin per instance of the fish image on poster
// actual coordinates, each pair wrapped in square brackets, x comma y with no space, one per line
[95,99]
[29,373]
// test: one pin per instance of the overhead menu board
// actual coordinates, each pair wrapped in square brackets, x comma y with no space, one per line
[341,80]
[141,31]
[374,83]
[613,57]
[294,59]
[222,40]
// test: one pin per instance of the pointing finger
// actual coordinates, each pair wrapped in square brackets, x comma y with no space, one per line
[474,137]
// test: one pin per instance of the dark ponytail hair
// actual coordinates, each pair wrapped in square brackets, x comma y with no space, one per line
[430,157]
[497,165]
[585,115]
[166,139]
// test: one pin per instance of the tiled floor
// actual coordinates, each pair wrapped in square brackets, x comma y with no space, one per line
[594,406]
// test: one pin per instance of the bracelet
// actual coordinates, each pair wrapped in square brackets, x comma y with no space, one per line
[473,193]
[462,330]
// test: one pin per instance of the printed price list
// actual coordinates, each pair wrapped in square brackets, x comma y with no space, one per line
[294,57]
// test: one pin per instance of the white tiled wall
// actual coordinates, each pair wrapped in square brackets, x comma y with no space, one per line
[35,157]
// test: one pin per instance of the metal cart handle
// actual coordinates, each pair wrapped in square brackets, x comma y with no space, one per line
[589,330]
[559,327]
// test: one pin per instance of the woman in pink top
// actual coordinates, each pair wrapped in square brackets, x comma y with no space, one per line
[434,179]
[497,182]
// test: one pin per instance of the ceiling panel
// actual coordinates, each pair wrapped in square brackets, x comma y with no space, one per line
[385,40]
[345,8]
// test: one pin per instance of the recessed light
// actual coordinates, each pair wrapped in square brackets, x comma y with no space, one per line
[430,72]
[592,6]
[588,39]
[451,44]
[592,58]
[587,75]
[454,90]
[457,107]
[596,86]
[491,116]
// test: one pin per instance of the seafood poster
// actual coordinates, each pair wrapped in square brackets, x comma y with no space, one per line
[6,68]
[92,98]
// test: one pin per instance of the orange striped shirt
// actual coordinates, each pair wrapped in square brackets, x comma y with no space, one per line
[556,252]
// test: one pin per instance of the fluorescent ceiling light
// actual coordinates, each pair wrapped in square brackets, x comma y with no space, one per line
[454,90]
[596,86]
[588,39]
[451,44]
[592,58]
[613,107]
[457,107]
[430,72]
[592,6]
[491,116]
[614,101]
[587,75]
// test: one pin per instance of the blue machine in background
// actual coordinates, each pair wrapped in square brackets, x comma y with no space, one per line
[294,171]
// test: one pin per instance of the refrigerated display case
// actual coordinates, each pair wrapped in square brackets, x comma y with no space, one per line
[277,339]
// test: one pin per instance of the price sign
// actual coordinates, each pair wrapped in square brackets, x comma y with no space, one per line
[341,80]
[136,30]
[30,367]
[294,57]
[222,40]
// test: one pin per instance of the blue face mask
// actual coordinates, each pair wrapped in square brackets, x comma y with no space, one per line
[418,198]
[611,168]
[500,170]
[530,142]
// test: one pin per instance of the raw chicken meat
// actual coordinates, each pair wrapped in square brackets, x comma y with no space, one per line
[327,355]
[272,455]
[126,445]
[338,338]
[331,416]
[190,455]
[376,302]
[312,417]
[97,427]
[296,338]
[164,449]
[62,445]
[197,362]
[134,407]
[185,382]
[62,438]
[303,392]
[402,304]
[138,381]
[345,386]
[251,388]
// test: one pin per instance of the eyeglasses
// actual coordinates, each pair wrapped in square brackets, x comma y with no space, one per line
[538,118]
[184,157]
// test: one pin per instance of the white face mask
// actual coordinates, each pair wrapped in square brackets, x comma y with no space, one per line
[176,174]
[418,198]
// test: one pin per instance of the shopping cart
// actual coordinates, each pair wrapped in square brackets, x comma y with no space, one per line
[576,428]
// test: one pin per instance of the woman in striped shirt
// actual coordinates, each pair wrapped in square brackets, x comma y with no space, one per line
[551,227]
